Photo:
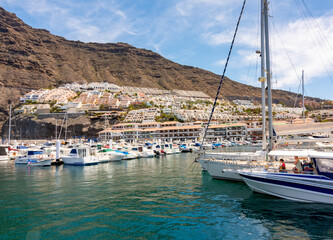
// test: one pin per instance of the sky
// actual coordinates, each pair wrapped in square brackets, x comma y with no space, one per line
[199,33]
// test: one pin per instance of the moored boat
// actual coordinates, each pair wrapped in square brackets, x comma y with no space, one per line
[304,186]
[110,155]
[80,156]
[34,158]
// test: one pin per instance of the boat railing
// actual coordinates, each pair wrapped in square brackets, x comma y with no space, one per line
[234,157]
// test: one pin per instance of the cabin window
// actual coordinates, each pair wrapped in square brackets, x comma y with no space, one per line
[73,151]
[3,151]
[34,152]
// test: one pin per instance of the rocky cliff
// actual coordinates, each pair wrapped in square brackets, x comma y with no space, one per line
[34,58]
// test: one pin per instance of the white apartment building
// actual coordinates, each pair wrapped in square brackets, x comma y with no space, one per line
[34,95]
[173,131]
[103,86]
[59,95]
[143,115]
[245,103]
[95,86]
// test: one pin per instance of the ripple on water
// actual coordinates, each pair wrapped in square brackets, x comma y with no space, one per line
[163,198]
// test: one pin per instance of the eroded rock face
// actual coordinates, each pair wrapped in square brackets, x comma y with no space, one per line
[33,58]
[30,127]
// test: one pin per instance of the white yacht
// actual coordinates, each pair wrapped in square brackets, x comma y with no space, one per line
[81,156]
[110,155]
[225,165]
[34,158]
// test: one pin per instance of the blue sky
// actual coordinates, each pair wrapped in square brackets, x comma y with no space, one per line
[198,33]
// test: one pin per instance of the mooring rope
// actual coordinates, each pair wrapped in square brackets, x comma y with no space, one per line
[221,81]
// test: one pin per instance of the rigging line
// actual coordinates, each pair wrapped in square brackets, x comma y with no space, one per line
[255,46]
[293,66]
[222,77]
[307,23]
[297,93]
[274,64]
[316,24]
[250,66]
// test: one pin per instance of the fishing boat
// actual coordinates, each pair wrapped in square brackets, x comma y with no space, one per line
[34,158]
[314,186]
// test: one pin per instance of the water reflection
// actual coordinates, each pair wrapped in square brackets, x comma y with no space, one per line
[287,218]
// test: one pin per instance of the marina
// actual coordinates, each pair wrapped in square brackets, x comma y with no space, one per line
[111,141]
[151,198]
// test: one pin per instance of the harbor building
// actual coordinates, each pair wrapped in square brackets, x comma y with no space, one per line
[173,131]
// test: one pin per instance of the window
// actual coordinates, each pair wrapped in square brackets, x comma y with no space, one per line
[73,151]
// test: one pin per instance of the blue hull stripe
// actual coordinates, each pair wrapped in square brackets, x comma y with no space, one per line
[302,176]
[290,184]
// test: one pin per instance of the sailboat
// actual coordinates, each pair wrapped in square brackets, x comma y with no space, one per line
[226,165]
[312,183]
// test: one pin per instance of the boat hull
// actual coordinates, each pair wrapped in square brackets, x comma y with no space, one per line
[4,158]
[42,163]
[305,189]
[114,156]
[79,161]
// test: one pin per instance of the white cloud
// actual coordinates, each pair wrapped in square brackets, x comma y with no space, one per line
[220,62]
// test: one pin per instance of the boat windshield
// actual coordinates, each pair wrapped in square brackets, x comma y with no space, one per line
[73,151]
[324,166]
[35,152]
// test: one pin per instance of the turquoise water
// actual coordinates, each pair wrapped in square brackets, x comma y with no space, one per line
[157,198]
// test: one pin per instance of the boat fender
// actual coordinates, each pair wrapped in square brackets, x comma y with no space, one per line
[40,156]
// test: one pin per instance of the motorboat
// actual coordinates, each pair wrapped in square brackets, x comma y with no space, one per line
[186,147]
[304,186]
[110,155]
[34,158]
[175,149]
[166,148]
[128,154]
[81,156]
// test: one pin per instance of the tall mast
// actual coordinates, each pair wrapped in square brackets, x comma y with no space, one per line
[10,121]
[303,96]
[269,89]
[262,78]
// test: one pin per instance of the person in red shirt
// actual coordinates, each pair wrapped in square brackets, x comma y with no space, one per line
[282,167]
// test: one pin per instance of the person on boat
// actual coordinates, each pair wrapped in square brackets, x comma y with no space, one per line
[308,168]
[298,165]
[282,167]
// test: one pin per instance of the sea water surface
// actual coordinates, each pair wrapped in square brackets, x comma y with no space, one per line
[155,198]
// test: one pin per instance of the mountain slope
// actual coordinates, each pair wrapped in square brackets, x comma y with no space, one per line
[34,58]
